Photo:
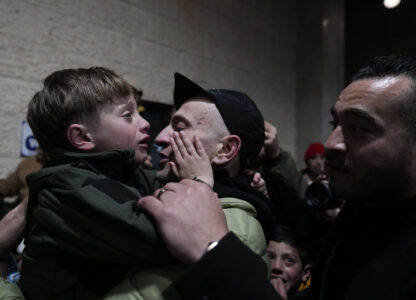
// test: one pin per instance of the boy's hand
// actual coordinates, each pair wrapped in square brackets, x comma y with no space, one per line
[191,160]
[257,181]
[279,286]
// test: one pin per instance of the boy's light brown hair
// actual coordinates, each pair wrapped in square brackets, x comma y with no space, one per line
[72,96]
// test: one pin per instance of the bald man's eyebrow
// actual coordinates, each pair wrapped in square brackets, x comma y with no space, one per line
[176,118]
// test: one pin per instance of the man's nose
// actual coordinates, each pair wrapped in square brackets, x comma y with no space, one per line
[335,141]
[163,138]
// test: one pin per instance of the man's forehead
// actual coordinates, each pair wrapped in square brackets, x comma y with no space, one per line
[197,109]
[373,93]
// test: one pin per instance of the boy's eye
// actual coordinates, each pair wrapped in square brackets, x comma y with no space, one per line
[127,114]
[290,261]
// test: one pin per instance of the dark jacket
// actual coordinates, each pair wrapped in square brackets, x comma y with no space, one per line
[229,271]
[84,230]
[369,254]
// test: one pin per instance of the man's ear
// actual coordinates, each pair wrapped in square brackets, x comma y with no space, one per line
[227,150]
[306,273]
[79,137]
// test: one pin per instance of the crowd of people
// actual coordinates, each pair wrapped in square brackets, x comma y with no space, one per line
[227,215]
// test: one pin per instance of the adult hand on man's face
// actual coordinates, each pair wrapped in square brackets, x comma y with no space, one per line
[188,215]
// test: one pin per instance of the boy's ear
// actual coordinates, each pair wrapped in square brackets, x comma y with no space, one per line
[227,150]
[306,273]
[79,137]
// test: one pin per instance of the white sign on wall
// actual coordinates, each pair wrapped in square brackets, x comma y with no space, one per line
[28,143]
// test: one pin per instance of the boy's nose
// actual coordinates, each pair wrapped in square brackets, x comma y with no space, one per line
[276,266]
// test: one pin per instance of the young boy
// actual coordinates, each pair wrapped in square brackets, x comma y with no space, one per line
[84,229]
[290,262]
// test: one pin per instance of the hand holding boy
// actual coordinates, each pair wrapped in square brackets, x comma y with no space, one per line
[188,215]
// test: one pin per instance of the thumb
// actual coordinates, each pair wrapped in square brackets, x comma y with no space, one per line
[150,204]
[200,148]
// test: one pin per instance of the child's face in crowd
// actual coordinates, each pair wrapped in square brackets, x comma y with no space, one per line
[286,264]
[121,128]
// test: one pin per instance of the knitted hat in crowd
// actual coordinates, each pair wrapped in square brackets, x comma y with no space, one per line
[313,149]
[239,112]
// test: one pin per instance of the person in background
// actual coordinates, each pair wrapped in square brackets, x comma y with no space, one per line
[15,183]
[314,160]
[12,227]
[291,262]
[285,184]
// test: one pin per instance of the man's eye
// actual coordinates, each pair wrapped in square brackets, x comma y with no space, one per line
[354,129]
[333,124]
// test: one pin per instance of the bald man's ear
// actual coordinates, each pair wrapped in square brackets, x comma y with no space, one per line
[227,150]
[79,137]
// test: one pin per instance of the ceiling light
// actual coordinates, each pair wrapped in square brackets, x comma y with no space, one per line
[391,3]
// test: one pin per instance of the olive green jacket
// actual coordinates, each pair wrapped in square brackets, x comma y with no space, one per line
[84,231]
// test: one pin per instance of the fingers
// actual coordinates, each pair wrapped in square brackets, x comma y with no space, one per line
[267,125]
[174,186]
[256,178]
[176,151]
[174,169]
[182,145]
[249,172]
[279,286]
[200,148]
[163,190]
[151,205]
[186,142]
[271,133]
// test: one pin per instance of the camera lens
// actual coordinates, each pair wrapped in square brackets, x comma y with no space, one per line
[318,195]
